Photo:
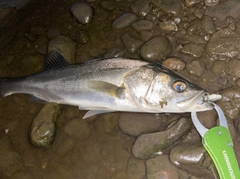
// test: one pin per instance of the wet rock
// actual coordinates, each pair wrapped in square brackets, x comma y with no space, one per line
[82,36]
[108,5]
[71,112]
[131,42]
[82,12]
[10,161]
[66,147]
[124,21]
[191,38]
[53,32]
[194,159]
[141,25]
[192,49]
[233,67]
[224,42]
[230,102]
[195,27]
[107,127]
[219,67]
[141,7]
[115,52]
[77,129]
[211,2]
[151,145]
[224,9]
[115,154]
[173,7]
[168,26]
[199,13]
[65,46]
[174,63]
[37,30]
[43,128]
[135,124]
[190,3]
[146,35]
[23,175]
[156,48]
[31,64]
[135,168]
[208,25]
[195,68]
[208,118]
[160,167]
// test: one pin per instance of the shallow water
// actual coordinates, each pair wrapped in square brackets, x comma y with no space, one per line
[205,41]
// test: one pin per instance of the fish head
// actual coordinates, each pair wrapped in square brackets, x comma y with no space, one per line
[177,94]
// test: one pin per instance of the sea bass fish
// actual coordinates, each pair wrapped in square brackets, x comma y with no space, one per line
[107,85]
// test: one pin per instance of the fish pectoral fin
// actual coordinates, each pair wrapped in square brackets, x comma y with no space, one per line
[55,60]
[92,113]
[107,88]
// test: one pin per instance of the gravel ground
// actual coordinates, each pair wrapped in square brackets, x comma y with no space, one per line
[197,38]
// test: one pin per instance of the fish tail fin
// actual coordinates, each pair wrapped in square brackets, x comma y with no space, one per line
[5,86]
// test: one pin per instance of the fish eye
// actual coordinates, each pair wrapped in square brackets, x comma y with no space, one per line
[179,86]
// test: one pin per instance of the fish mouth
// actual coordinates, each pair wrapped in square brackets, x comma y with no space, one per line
[198,102]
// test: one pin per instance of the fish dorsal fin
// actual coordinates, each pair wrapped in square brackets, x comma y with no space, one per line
[55,60]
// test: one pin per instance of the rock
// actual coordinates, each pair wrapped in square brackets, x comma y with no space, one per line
[134,124]
[37,30]
[124,21]
[77,129]
[191,38]
[141,7]
[108,5]
[135,168]
[82,12]
[131,42]
[173,7]
[160,167]
[224,42]
[233,67]
[224,9]
[23,175]
[66,147]
[151,145]
[31,64]
[156,48]
[146,35]
[65,46]
[53,32]
[142,25]
[211,2]
[174,63]
[6,12]
[194,159]
[168,26]
[43,128]
[82,36]
[208,118]
[107,127]
[208,25]
[192,49]
[190,3]
[115,52]
[230,102]
[195,68]
[219,67]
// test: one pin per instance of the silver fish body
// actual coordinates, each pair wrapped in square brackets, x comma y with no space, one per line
[115,84]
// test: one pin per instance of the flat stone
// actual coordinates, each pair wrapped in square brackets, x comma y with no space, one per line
[174,63]
[208,25]
[135,168]
[224,42]
[192,49]
[151,145]
[124,21]
[161,167]
[77,129]
[156,48]
[173,7]
[131,42]
[195,68]
[194,159]
[135,124]
[142,25]
[168,26]
[141,7]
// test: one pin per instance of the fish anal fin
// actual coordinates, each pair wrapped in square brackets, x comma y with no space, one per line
[107,88]
[95,112]
[55,60]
